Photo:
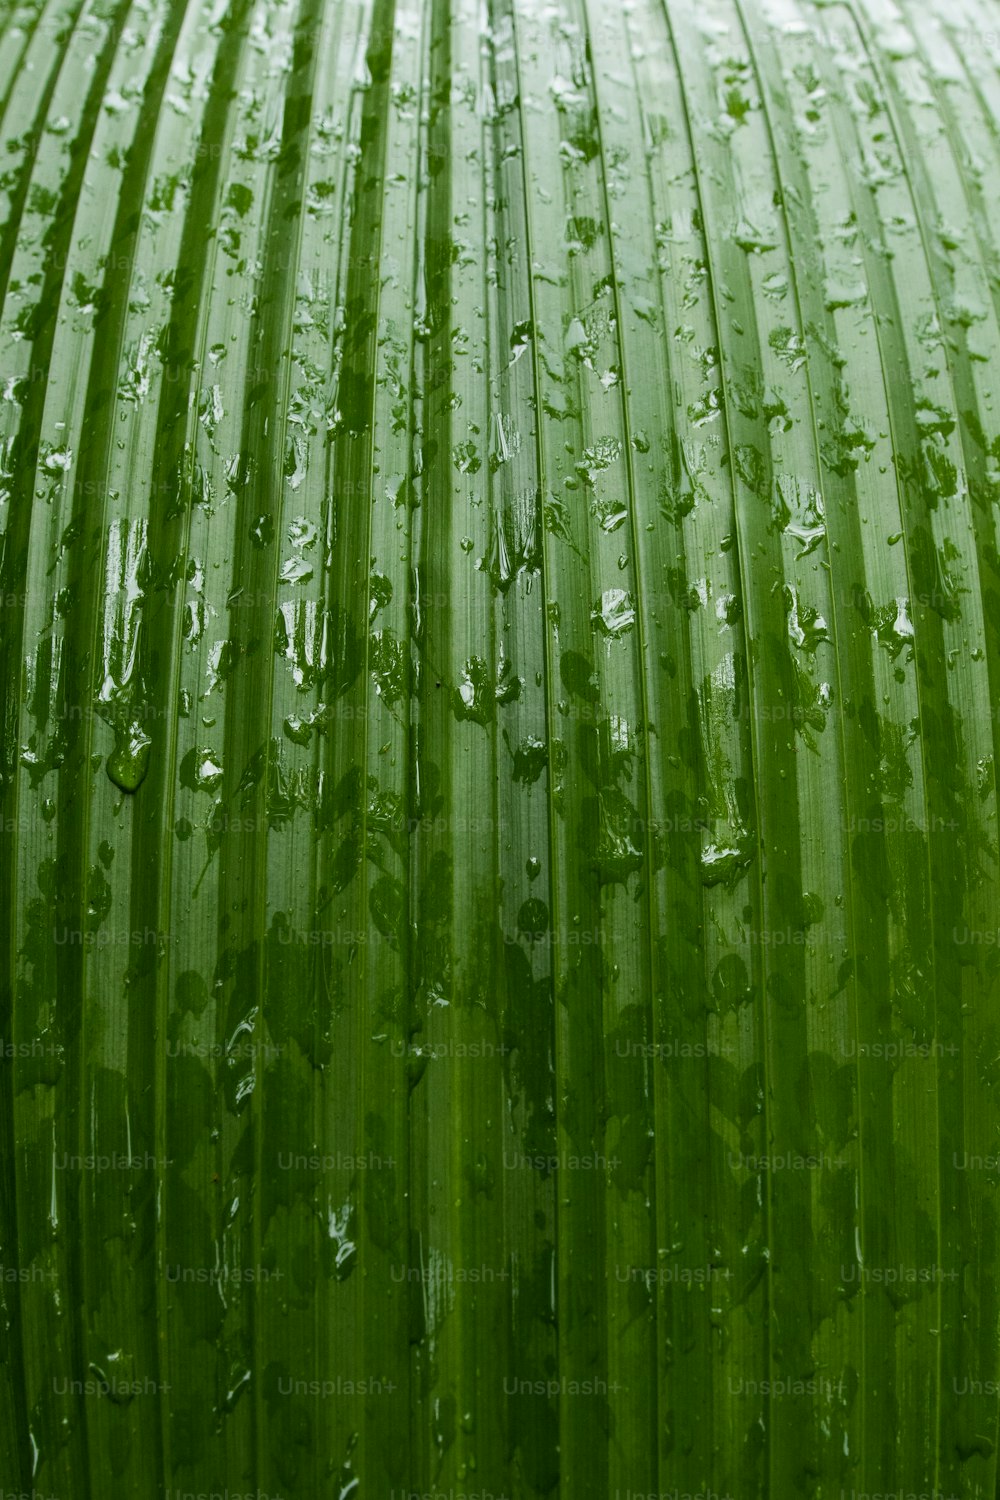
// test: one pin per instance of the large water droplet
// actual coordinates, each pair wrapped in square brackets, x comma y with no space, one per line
[129,760]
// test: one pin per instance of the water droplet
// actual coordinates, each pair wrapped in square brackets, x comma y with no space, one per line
[129,760]
[615,611]
[200,770]
[724,862]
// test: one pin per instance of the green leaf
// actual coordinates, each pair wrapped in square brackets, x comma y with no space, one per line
[500,645]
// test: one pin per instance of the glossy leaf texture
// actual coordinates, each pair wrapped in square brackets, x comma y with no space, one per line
[500,629]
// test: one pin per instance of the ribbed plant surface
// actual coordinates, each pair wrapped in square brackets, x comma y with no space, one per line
[500,619]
